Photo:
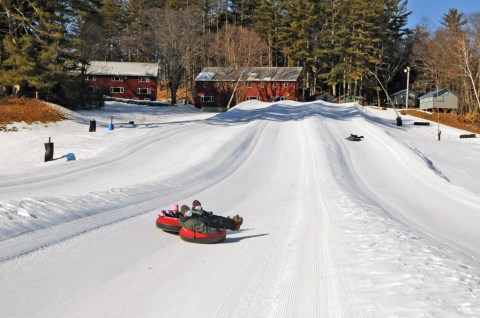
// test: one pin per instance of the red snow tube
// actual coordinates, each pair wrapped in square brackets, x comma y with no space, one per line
[168,224]
[197,237]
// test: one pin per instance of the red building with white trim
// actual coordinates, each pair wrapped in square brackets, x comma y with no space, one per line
[124,79]
[214,86]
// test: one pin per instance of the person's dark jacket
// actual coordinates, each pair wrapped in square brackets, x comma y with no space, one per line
[210,220]
[196,223]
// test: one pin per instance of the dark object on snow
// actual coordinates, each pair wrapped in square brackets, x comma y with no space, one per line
[131,122]
[93,126]
[399,121]
[353,137]
[421,123]
[49,150]
[468,136]
[197,237]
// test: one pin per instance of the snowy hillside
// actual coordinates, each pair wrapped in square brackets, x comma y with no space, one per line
[383,227]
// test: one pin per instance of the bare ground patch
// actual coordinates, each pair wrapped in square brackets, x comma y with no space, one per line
[468,122]
[27,110]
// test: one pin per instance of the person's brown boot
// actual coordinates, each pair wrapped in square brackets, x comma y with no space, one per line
[238,220]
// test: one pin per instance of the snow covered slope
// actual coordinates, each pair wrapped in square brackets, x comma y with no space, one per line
[383,227]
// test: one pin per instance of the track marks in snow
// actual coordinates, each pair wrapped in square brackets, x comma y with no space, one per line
[53,219]
[429,163]
[398,261]
[340,276]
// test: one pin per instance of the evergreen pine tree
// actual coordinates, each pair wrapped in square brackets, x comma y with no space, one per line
[266,17]
[453,20]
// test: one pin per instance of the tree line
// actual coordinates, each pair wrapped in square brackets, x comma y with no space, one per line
[343,46]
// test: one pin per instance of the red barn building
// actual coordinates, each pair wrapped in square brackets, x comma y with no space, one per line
[215,86]
[124,79]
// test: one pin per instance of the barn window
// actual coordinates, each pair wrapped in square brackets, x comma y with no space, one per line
[90,78]
[92,88]
[143,90]
[206,99]
[249,84]
[116,90]
[285,84]
[117,79]
[252,97]
[217,84]
[205,84]
[144,79]
[274,84]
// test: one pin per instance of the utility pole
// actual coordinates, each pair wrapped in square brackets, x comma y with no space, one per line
[407,70]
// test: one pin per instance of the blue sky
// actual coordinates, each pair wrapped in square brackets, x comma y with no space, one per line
[435,9]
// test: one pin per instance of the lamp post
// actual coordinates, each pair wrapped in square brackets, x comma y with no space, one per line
[407,70]
[435,102]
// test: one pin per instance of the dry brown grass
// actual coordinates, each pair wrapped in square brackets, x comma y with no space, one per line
[27,110]
[468,122]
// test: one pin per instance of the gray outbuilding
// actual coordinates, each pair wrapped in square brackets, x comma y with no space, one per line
[443,99]
[399,98]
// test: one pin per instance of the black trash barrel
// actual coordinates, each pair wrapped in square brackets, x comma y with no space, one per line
[399,121]
[93,126]
[48,151]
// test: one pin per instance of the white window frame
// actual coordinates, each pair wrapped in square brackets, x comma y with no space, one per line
[90,78]
[93,89]
[207,99]
[117,79]
[140,90]
[249,84]
[121,90]
[144,79]
[274,84]
[285,84]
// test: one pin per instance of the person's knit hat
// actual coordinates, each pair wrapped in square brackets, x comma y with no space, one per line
[195,203]
[184,208]
[174,207]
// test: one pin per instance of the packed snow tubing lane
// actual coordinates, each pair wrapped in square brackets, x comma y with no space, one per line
[326,292]
[330,182]
[202,238]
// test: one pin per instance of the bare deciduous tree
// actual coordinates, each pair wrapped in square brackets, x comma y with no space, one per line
[468,64]
[236,47]
[177,38]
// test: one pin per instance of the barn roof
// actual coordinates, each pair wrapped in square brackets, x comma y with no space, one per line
[249,74]
[122,68]
[440,92]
